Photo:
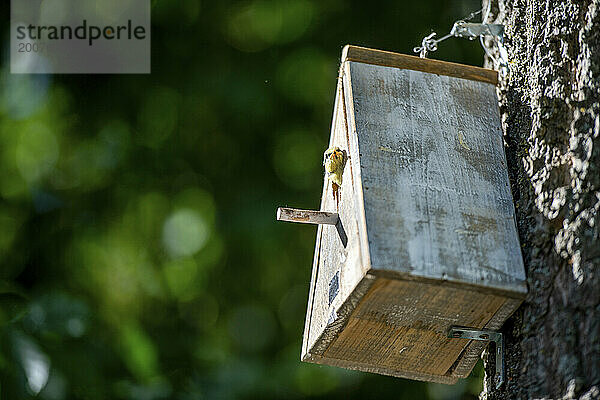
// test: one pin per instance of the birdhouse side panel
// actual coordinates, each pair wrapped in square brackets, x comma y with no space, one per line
[437,201]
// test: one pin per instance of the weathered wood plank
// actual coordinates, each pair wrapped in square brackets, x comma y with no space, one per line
[389,59]
[431,240]
[436,198]
[368,367]
[403,325]
[337,267]
[307,216]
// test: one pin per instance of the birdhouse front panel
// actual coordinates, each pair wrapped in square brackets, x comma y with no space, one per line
[426,237]
[336,246]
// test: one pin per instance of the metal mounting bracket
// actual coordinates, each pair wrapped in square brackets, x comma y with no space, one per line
[473,30]
[462,332]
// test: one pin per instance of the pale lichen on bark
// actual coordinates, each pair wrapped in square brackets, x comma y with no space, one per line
[550,104]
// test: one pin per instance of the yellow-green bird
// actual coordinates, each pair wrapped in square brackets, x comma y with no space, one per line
[334,161]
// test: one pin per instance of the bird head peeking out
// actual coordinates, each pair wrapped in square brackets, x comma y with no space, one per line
[334,161]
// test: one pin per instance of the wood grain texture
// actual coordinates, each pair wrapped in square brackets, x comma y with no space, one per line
[342,314]
[403,326]
[368,367]
[398,328]
[431,239]
[306,216]
[436,198]
[389,59]
[337,269]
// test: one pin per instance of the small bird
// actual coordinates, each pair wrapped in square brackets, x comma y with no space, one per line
[334,161]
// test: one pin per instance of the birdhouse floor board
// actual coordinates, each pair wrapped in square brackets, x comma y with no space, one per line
[367,367]
[400,328]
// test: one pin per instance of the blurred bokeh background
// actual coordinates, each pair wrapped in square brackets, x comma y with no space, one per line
[139,253]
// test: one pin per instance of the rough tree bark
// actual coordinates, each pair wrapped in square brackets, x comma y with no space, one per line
[550,103]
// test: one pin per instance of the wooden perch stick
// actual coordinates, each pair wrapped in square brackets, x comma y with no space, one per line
[307,216]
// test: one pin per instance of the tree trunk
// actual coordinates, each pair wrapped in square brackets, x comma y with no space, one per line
[550,105]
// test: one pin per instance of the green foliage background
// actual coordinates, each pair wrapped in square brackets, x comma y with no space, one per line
[139,253]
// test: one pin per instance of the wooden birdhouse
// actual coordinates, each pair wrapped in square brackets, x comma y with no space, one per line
[424,236]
